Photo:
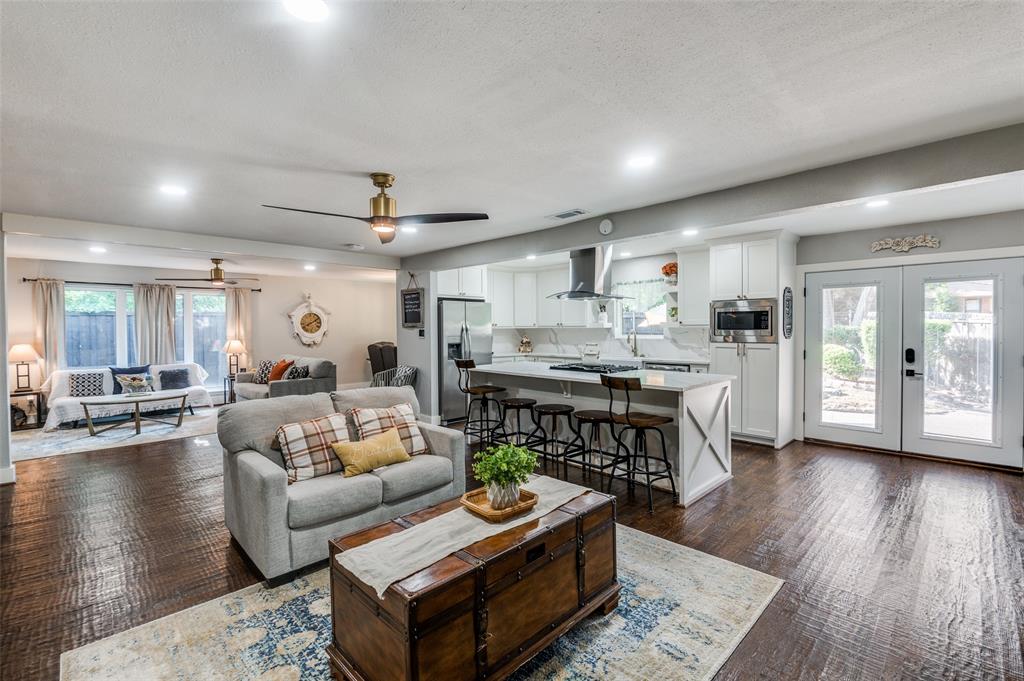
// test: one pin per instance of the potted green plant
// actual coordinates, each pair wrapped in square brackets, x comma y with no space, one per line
[502,469]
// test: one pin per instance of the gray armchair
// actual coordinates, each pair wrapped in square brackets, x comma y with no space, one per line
[323,378]
[285,527]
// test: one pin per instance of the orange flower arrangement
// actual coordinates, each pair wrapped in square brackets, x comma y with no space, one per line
[670,269]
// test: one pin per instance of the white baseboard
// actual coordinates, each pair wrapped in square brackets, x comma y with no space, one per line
[7,475]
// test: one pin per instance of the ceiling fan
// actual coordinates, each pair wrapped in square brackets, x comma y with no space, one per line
[383,219]
[216,276]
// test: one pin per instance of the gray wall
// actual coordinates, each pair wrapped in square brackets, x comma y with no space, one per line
[983,154]
[962,234]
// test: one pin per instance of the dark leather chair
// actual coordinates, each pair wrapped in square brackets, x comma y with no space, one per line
[383,356]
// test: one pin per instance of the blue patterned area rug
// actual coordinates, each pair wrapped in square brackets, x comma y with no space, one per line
[681,614]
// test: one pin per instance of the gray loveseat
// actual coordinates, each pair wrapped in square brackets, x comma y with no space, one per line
[285,527]
[323,378]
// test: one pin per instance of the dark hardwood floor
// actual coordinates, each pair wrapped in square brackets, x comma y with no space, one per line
[896,568]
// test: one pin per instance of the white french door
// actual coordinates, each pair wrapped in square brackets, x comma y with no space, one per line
[963,337]
[853,361]
[927,359]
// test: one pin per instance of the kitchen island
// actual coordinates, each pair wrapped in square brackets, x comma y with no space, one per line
[699,445]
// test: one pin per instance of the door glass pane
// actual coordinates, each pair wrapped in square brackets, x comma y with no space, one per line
[208,331]
[849,391]
[958,367]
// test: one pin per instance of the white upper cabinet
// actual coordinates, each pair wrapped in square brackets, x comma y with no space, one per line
[749,269]
[760,269]
[549,310]
[524,286]
[726,271]
[694,289]
[464,281]
[502,298]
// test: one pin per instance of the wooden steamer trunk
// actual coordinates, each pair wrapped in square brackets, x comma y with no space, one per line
[483,611]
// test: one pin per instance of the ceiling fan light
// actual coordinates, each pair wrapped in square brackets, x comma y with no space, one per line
[382,227]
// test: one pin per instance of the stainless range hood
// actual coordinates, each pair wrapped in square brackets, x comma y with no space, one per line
[590,275]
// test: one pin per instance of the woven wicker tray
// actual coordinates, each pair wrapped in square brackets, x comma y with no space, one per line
[476,501]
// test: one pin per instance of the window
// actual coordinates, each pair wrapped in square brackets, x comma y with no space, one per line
[100,329]
[645,311]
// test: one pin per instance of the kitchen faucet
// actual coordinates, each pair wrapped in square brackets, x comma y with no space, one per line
[631,340]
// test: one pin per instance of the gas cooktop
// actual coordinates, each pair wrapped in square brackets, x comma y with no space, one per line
[593,368]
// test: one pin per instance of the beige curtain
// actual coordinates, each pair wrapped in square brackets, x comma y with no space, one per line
[239,320]
[48,305]
[154,323]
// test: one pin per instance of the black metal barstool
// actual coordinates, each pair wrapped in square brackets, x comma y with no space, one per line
[553,447]
[483,426]
[595,418]
[639,424]
[518,436]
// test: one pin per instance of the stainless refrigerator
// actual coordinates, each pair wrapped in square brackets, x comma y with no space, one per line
[465,328]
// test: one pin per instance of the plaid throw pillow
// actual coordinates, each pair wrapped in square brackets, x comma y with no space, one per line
[263,371]
[370,422]
[85,385]
[298,372]
[306,446]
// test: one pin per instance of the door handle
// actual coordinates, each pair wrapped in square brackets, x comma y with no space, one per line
[910,373]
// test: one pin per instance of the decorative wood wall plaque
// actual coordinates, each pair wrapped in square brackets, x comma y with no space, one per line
[904,244]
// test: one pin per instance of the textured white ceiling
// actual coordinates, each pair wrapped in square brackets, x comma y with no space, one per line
[517,109]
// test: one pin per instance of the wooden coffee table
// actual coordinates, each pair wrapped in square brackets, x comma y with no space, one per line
[137,400]
[481,612]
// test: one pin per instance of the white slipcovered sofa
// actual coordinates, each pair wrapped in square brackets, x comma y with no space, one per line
[66,409]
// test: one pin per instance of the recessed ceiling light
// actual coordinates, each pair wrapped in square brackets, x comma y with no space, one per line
[355,247]
[691,232]
[307,10]
[877,203]
[97,249]
[640,162]
[173,190]
[531,257]
[409,230]
[626,254]
[309,268]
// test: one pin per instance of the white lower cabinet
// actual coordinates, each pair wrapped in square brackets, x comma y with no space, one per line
[755,388]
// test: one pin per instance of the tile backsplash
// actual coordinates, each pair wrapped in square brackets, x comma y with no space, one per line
[685,343]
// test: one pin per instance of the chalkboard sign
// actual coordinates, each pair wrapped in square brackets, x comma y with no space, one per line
[412,308]
[787,312]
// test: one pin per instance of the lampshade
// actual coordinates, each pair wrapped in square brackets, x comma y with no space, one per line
[234,347]
[23,352]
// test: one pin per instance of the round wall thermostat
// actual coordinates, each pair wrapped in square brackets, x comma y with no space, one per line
[606,226]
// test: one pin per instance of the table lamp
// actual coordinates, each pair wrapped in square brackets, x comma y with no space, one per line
[22,354]
[234,348]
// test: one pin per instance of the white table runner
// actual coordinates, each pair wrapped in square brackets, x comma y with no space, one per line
[390,559]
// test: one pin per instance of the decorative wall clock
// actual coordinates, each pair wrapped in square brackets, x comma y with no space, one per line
[309,321]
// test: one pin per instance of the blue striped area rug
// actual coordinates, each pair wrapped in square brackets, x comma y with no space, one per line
[681,614]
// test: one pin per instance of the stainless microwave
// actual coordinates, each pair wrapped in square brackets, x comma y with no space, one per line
[744,321]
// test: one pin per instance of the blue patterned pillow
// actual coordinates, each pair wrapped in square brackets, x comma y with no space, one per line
[298,372]
[85,385]
[263,372]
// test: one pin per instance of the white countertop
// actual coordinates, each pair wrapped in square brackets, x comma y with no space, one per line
[607,359]
[674,381]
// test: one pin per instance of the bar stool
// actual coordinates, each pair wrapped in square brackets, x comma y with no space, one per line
[549,440]
[483,426]
[518,437]
[595,418]
[638,423]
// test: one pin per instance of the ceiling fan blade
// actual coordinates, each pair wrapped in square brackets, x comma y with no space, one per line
[431,218]
[317,212]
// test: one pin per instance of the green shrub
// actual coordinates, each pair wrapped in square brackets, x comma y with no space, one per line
[869,341]
[847,336]
[843,363]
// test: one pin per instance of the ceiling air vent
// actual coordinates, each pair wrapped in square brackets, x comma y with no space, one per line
[567,214]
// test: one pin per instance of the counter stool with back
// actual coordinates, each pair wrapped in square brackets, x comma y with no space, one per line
[483,426]
[628,459]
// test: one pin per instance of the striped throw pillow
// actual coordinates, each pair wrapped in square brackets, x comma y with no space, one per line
[370,422]
[263,371]
[306,446]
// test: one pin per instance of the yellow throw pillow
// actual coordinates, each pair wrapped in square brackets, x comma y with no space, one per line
[372,453]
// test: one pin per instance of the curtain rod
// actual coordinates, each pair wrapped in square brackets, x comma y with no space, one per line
[27,280]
